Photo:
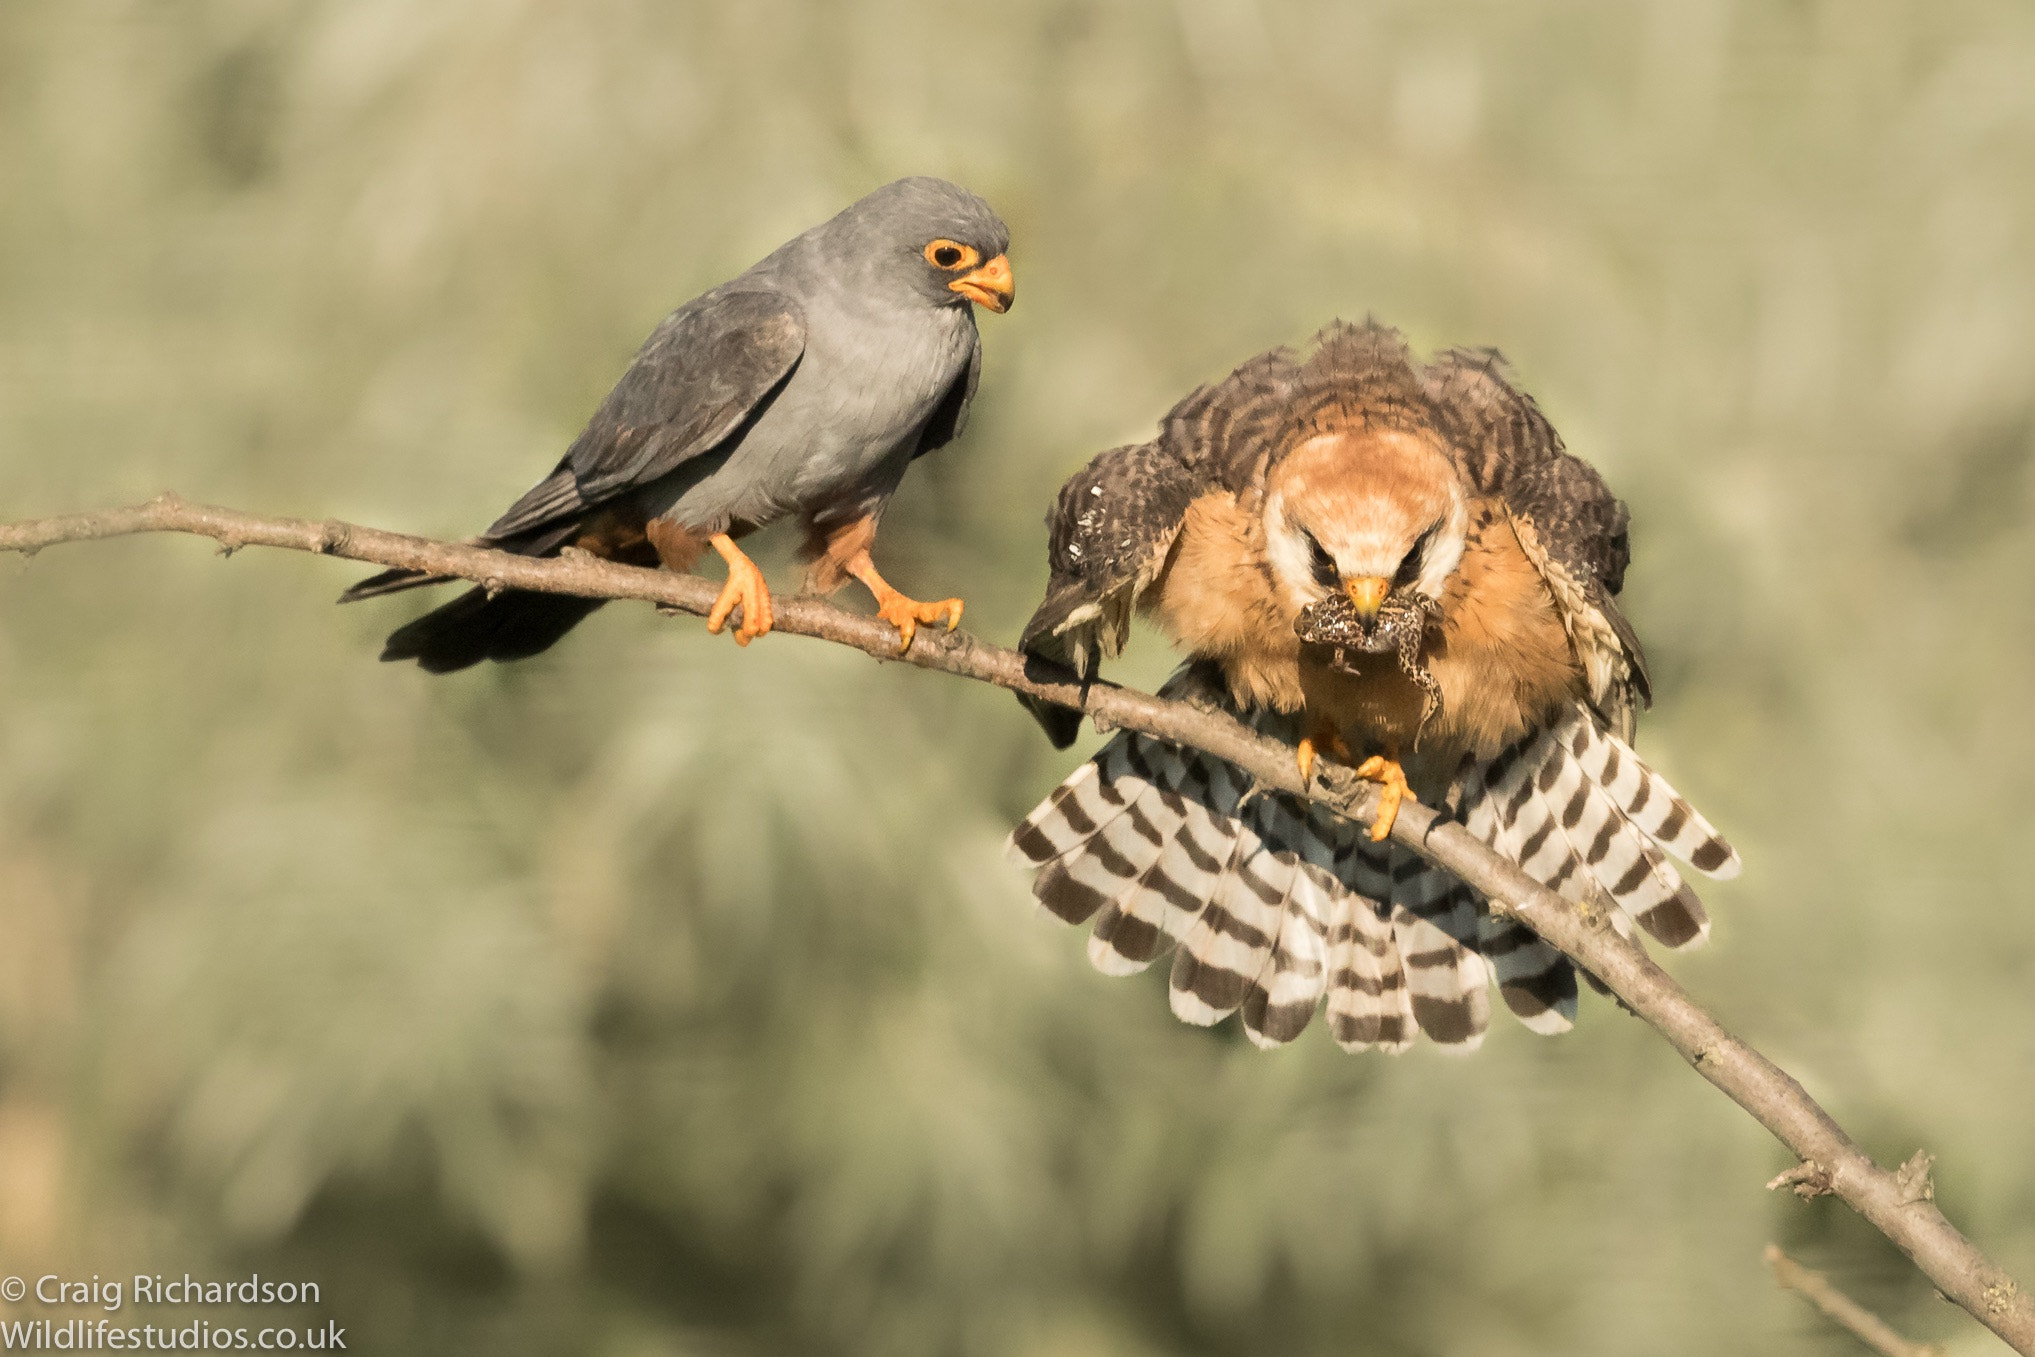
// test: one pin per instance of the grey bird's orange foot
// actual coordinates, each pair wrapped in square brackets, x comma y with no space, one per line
[745,588]
[900,611]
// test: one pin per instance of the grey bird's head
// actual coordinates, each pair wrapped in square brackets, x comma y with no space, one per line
[926,239]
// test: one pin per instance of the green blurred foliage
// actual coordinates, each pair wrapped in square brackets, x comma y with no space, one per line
[653,997]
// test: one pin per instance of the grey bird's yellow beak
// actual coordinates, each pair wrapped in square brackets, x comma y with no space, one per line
[1368,593]
[988,285]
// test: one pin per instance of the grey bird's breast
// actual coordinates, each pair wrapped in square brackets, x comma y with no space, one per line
[848,419]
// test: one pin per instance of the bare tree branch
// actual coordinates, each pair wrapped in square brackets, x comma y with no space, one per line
[1899,1205]
[1847,1313]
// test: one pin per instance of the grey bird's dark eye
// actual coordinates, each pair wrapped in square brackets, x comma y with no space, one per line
[946,256]
[1323,565]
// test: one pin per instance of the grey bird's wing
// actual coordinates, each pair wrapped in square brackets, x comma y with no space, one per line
[1571,525]
[710,368]
[950,416]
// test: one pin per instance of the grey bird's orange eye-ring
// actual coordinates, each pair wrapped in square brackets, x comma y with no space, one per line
[951,255]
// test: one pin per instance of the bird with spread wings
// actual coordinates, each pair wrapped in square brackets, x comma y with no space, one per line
[1384,562]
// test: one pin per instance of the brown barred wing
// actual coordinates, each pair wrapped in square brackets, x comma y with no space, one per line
[1114,522]
[1569,523]
[1107,539]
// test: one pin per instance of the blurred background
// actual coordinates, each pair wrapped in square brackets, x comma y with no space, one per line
[655,997]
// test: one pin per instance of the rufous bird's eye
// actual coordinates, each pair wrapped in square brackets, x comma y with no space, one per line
[952,255]
[1323,565]
[1415,560]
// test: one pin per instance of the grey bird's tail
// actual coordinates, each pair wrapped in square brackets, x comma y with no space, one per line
[507,624]
[510,625]
[1274,909]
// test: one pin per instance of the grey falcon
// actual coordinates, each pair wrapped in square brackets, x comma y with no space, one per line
[807,385]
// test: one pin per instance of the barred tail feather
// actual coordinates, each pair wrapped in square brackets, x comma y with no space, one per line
[1550,811]
[1062,821]
[1529,833]
[1617,856]
[1092,797]
[1275,909]
[1125,803]
[1230,945]
[1281,1001]
[1434,919]
[1647,799]
[1158,909]
[1368,1002]
[1536,981]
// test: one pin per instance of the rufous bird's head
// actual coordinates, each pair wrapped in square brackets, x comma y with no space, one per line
[1370,514]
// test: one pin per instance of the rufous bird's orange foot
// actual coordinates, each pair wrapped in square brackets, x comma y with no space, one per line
[745,586]
[1394,790]
[1325,740]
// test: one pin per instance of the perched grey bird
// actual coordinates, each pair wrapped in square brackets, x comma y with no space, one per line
[805,386]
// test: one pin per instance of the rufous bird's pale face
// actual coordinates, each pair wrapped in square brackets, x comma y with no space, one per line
[1370,514]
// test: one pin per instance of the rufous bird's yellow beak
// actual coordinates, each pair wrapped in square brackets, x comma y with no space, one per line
[989,285]
[1368,593]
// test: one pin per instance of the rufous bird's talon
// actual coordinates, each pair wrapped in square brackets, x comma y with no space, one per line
[1326,740]
[1393,791]
[745,587]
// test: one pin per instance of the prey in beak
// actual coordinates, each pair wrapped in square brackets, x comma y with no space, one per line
[1367,616]
[989,285]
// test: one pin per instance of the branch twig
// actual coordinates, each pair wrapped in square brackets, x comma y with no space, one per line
[1842,1310]
[1900,1205]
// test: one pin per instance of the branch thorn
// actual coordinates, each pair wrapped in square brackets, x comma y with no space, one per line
[1808,1179]
[1913,1179]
